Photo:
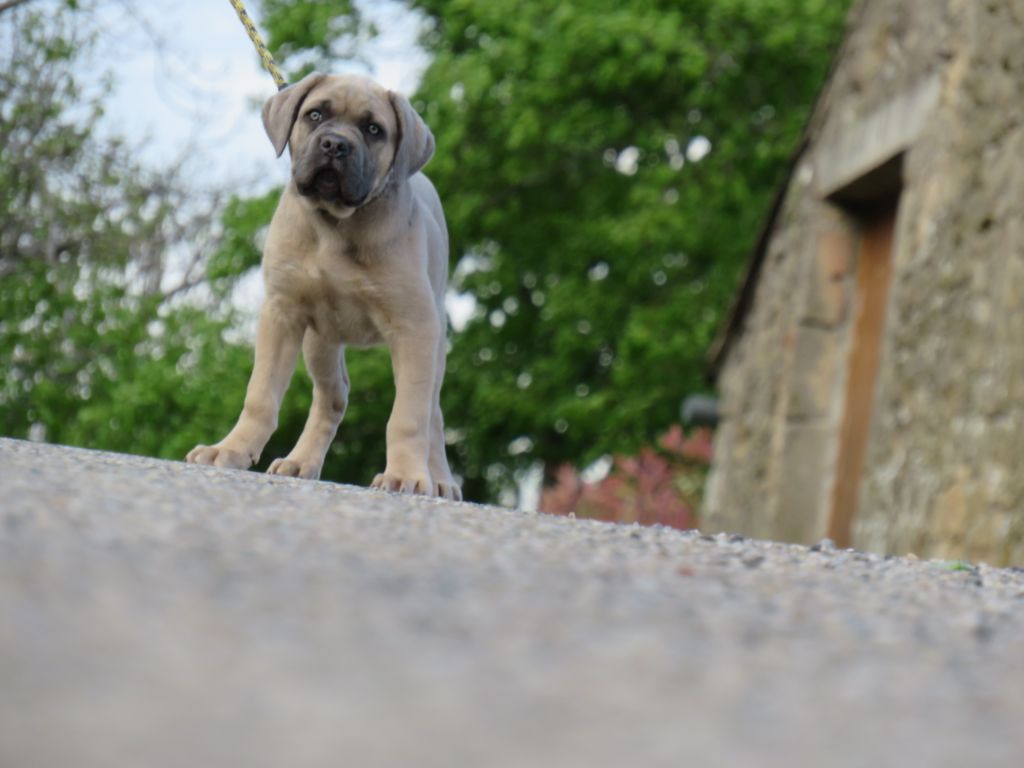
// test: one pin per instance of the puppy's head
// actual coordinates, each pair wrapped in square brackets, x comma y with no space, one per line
[348,138]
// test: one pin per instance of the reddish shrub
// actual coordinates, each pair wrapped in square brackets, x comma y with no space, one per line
[657,486]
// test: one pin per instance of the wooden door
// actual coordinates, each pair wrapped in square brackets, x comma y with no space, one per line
[874,274]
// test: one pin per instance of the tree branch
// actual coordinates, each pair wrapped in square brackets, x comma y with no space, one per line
[9,4]
[185,285]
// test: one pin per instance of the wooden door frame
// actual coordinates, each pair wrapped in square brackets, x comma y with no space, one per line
[877,236]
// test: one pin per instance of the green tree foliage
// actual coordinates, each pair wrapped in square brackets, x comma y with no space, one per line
[98,346]
[310,35]
[605,167]
[604,247]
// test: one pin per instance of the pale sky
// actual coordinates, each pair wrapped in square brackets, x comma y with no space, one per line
[203,90]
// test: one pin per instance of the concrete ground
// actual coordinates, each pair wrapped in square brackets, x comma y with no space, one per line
[158,614]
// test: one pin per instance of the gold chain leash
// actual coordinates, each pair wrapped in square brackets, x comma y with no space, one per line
[261,49]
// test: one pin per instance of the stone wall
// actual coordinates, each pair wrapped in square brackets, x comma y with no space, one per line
[944,460]
[938,81]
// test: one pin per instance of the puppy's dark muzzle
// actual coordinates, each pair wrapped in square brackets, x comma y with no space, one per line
[334,168]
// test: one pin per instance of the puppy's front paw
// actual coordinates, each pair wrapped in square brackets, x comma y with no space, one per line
[449,491]
[219,457]
[391,482]
[292,468]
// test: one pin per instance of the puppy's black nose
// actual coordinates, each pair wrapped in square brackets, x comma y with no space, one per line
[335,146]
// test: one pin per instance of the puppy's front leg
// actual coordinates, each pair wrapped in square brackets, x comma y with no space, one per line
[408,432]
[278,336]
[325,361]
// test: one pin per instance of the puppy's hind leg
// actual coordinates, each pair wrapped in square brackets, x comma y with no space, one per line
[325,362]
[444,485]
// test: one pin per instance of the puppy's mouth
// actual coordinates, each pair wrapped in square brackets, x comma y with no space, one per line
[329,185]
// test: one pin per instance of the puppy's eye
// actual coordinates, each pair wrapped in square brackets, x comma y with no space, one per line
[315,115]
[373,129]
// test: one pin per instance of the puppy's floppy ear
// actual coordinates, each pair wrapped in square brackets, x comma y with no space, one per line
[280,111]
[415,142]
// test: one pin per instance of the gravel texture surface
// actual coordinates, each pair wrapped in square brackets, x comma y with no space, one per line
[159,614]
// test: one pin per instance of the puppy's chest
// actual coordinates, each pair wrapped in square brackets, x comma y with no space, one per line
[338,297]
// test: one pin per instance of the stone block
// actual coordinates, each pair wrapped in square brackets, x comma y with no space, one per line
[806,478]
[814,374]
[950,517]
[828,291]
[876,137]
[986,540]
